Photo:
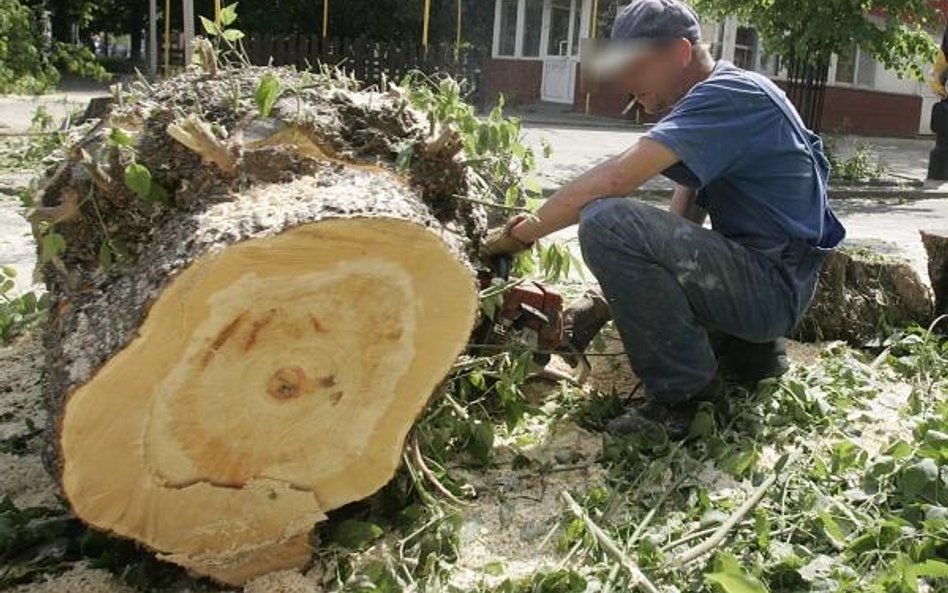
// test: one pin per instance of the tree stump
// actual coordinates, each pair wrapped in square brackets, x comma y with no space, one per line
[864,292]
[249,311]
[936,246]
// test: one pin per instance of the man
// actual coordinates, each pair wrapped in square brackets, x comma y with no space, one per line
[739,152]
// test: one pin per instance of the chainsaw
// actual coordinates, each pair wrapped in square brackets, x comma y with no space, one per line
[530,316]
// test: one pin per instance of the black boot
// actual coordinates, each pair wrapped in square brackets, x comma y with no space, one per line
[648,416]
[746,362]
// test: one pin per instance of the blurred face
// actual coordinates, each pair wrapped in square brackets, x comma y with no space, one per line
[658,78]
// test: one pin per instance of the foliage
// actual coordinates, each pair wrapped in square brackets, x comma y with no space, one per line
[78,60]
[819,28]
[30,153]
[22,66]
[17,312]
[857,163]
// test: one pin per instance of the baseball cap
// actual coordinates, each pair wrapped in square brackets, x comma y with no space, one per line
[638,27]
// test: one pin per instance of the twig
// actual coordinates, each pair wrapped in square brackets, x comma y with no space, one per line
[433,479]
[638,577]
[935,323]
[721,532]
[491,204]
[198,136]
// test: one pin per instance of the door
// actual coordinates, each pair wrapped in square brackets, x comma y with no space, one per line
[561,25]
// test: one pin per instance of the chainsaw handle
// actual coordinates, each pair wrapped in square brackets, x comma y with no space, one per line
[502,265]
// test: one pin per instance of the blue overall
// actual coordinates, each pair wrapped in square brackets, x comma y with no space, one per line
[762,178]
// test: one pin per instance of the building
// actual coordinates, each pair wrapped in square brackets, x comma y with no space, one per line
[536,52]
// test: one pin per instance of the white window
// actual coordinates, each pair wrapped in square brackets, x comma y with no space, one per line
[533,28]
[746,45]
[855,66]
[507,33]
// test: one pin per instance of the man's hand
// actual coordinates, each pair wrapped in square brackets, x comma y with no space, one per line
[501,241]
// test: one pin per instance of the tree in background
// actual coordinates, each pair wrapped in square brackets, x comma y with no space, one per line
[23,68]
[805,33]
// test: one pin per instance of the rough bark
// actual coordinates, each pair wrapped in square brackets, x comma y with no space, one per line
[270,329]
[936,246]
[863,294]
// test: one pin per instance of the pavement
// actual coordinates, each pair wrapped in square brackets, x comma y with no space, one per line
[891,216]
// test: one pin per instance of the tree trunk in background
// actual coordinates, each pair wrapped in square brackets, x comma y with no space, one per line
[278,313]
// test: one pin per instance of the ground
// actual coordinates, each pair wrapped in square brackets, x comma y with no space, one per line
[846,454]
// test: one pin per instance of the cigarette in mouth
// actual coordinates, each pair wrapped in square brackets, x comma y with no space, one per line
[629,107]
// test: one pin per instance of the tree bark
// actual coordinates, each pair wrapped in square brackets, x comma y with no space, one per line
[936,246]
[269,331]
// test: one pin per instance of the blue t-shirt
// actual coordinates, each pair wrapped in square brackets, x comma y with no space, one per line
[754,174]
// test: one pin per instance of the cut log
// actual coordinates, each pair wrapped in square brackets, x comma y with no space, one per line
[865,291]
[936,246]
[269,330]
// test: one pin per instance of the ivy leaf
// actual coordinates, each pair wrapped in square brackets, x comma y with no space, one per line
[267,93]
[51,245]
[735,582]
[209,27]
[931,568]
[120,137]
[233,35]
[138,179]
[355,535]
[229,14]
[105,255]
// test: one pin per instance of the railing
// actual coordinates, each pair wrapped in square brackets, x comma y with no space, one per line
[370,61]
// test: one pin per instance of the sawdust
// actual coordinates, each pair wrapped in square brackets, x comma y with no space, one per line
[78,579]
[510,531]
[285,581]
[22,416]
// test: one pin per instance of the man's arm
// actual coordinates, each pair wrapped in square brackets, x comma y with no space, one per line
[683,203]
[617,176]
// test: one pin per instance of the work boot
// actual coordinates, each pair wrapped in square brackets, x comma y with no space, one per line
[583,319]
[748,363]
[649,416]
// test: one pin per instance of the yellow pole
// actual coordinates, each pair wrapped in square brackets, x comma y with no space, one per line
[217,13]
[325,18]
[167,36]
[593,26]
[457,43]
[424,34]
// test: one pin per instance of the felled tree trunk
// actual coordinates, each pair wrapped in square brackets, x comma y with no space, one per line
[936,246]
[863,294]
[241,344]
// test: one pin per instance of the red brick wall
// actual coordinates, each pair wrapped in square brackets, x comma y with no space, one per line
[867,112]
[518,80]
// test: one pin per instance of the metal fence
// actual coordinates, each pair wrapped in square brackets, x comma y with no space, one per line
[370,60]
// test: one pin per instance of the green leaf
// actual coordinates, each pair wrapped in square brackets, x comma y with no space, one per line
[158,194]
[138,179]
[832,530]
[51,245]
[931,568]
[355,535]
[229,14]
[105,255]
[120,137]
[918,478]
[735,582]
[267,93]
[209,27]
[233,35]
[9,271]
